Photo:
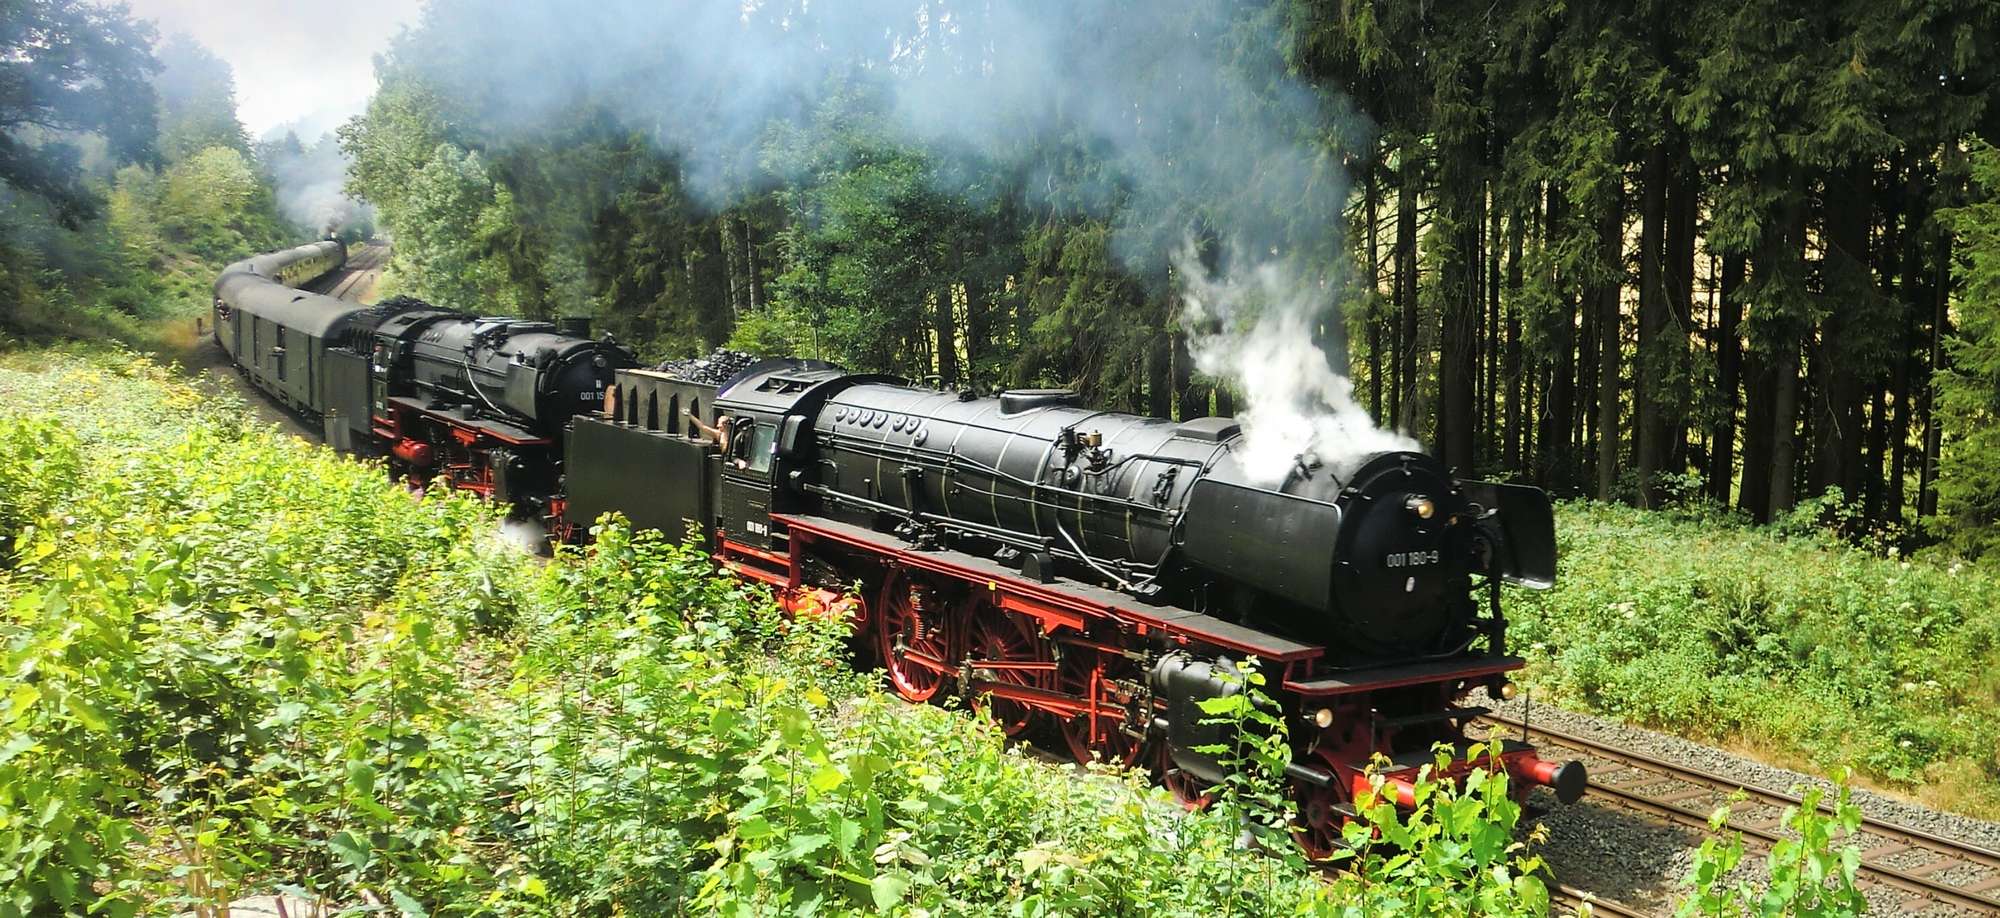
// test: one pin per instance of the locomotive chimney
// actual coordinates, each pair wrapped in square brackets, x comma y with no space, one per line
[574,326]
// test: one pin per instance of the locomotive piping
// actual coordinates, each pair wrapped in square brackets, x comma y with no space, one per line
[1087,559]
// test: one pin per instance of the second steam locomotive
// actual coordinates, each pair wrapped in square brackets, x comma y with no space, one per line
[1099,572]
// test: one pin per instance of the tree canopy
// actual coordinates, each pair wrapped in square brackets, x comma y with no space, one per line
[69,68]
[1637,251]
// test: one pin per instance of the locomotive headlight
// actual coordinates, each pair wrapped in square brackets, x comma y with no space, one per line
[1508,690]
[1323,718]
[1421,506]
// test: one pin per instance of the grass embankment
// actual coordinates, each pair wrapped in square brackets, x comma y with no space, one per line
[234,662]
[1791,647]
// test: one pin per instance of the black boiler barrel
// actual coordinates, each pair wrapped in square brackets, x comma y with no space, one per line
[1111,484]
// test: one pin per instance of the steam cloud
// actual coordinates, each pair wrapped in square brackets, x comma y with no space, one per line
[1298,411]
[309,186]
[1188,102]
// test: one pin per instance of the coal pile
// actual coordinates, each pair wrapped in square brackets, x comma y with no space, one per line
[399,301]
[712,370]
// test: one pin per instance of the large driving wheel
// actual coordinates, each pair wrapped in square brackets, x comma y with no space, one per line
[1317,824]
[994,635]
[1102,679]
[913,637]
[1190,792]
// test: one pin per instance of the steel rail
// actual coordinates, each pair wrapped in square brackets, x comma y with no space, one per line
[1905,837]
[1575,898]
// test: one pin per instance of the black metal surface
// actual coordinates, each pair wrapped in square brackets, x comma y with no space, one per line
[1185,682]
[1521,526]
[1281,543]
[347,400]
[514,367]
[659,481]
[1162,510]
[1402,581]
[1084,482]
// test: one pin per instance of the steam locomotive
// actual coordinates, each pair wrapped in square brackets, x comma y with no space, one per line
[1096,572]
[479,403]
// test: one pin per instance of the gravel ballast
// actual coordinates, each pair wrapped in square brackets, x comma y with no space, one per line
[1758,775]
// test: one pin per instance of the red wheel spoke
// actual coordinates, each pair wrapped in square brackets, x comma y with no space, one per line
[1317,824]
[995,636]
[913,638]
[1095,677]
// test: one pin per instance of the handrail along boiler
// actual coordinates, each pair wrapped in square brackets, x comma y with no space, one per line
[1101,572]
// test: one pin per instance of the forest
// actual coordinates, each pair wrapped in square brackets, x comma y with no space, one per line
[1734,263]
[1656,254]
[1640,252]
[128,181]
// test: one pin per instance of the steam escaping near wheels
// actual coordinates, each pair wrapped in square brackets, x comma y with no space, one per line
[529,536]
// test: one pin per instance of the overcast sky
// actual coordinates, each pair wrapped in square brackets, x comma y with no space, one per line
[294,62]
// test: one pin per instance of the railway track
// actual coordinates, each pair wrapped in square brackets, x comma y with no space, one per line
[351,281]
[1569,900]
[1924,871]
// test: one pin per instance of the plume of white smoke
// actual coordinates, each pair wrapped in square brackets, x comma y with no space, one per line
[1255,327]
[1186,112]
[310,186]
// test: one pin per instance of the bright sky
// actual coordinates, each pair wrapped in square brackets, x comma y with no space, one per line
[293,61]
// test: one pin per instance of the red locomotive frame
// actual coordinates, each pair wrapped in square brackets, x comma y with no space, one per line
[945,622]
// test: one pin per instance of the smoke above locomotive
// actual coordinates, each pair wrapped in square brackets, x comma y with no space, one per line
[1203,132]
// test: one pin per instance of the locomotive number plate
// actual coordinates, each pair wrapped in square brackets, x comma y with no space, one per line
[1409,558]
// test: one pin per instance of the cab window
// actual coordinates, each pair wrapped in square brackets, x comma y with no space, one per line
[752,443]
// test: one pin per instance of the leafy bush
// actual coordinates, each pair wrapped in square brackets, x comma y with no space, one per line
[1827,655]
[1808,875]
[39,461]
[221,660]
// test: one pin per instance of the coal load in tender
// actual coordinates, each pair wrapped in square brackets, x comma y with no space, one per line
[712,370]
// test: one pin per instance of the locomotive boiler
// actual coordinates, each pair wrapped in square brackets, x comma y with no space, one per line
[1374,564]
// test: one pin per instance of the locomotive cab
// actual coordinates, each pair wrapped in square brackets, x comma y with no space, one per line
[768,460]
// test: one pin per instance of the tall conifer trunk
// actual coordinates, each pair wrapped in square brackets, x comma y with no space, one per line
[1684,205]
[1785,346]
[1611,236]
[1516,381]
[1648,376]
[1728,370]
[1562,422]
[1459,354]
[1406,287]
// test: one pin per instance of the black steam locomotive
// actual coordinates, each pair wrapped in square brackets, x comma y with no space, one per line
[1099,572]
[479,403]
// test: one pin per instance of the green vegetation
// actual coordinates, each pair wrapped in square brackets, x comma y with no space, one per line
[1781,640]
[135,187]
[1807,874]
[1969,392]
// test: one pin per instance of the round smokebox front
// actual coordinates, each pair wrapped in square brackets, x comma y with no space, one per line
[1400,585]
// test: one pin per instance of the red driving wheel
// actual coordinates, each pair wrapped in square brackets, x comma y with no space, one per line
[1317,824]
[1095,676]
[911,635]
[994,635]
[1190,792]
